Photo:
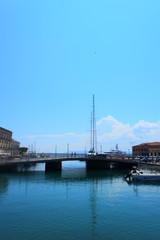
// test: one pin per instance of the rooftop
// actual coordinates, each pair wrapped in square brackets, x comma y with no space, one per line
[148,144]
[4,129]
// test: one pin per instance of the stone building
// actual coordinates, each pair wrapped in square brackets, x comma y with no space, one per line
[5,141]
[15,145]
[7,144]
[151,149]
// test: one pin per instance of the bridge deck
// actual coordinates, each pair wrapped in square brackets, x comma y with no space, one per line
[71,157]
[5,161]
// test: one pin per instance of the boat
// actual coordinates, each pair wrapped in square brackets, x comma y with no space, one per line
[139,175]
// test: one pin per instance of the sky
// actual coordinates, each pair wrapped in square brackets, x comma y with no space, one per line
[54,55]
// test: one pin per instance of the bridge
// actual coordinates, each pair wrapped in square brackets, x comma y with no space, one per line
[54,162]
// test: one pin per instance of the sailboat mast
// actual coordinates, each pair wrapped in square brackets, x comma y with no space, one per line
[91,146]
[93,124]
[93,136]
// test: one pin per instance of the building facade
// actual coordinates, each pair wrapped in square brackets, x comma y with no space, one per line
[8,145]
[151,149]
[5,141]
[15,145]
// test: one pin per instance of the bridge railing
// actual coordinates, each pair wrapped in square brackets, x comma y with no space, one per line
[43,159]
[70,155]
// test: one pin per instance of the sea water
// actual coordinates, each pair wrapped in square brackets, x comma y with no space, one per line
[77,204]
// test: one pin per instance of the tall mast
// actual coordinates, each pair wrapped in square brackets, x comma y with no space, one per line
[93,136]
[91,145]
[93,123]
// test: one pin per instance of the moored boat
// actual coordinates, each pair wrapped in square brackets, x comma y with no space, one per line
[139,175]
[146,176]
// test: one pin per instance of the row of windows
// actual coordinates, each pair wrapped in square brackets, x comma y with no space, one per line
[155,154]
[140,150]
[4,141]
[5,136]
[5,145]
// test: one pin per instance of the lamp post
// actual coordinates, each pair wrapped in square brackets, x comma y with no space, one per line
[28,151]
[67,149]
[101,148]
[129,152]
[56,151]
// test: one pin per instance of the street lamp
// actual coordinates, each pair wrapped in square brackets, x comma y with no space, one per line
[129,151]
[67,148]
[85,150]
[28,151]
[55,150]
[101,148]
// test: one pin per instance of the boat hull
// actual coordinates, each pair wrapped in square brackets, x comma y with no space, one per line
[144,177]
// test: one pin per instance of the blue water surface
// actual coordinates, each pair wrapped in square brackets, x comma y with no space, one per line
[77,204]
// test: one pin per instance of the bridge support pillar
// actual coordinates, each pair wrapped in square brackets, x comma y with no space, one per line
[97,164]
[53,166]
[8,168]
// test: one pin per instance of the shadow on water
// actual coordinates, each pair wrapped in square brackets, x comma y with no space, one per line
[3,184]
[66,173]
[110,173]
[84,175]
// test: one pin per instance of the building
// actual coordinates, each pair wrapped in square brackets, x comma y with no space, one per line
[15,145]
[8,146]
[5,141]
[146,149]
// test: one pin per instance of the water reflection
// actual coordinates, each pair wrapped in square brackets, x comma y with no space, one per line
[3,184]
[67,175]
[93,206]
[73,174]
[143,186]
[81,203]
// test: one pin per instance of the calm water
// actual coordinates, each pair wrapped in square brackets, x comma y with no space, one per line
[77,204]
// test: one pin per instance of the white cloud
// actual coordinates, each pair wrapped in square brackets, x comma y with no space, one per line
[109,133]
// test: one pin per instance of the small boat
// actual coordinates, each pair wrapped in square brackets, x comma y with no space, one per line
[139,175]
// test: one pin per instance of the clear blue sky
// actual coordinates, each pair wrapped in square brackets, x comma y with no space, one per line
[55,54]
